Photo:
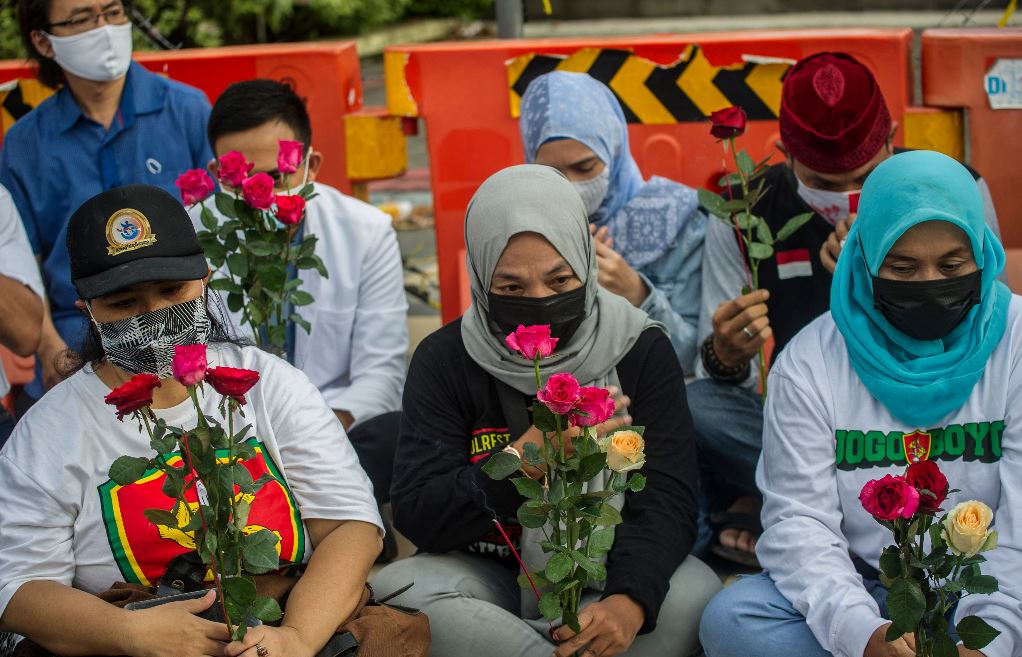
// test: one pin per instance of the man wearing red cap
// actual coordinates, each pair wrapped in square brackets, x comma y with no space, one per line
[835,129]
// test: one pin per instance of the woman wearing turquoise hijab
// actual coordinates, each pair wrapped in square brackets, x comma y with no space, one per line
[919,354]
[649,233]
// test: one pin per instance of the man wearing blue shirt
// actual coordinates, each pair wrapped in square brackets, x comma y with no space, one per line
[113,123]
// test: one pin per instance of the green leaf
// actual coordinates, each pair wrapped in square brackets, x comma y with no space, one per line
[550,606]
[225,204]
[745,163]
[238,264]
[265,609]
[975,633]
[792,225]
[531,518]
[570,619]
[164,445]
[259,248]
[763,232]
[953,586]
[711,202]
[537,578]
[732,207]
[272,276]
[596,571]
[608,516]
[260,552]
[502,465]
[243,478]
[602,540]
[240,591]
[556,491]
[532,455]
[591,466]
[529,488]
[557,568]
[729,180]
[128,469]
[208,220]
[224,285]
[890,563]
[301,298]
[982,584]
[235,302]
[636,483]
[943,646]
[160,517]
[894,633]
[543,418]
[758,251]
[905,603]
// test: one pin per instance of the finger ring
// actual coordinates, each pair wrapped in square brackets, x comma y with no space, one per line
[261,650]
[749,333]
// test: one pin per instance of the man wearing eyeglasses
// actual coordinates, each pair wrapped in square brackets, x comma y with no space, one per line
[112,123]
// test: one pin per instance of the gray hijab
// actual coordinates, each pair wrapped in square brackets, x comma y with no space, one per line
[539,199]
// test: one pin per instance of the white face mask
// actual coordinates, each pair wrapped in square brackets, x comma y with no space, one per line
[594,190]
[832,206]
[100,55]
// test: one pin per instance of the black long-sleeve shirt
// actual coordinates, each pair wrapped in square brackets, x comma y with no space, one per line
[453,421]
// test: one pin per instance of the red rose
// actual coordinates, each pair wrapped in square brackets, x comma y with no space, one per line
[189,364]
[257,191]
[231,381]
[728,122]
[290,209]
[931,483]
[195,186]
[596,403]
[233,169]
[137,393]
[560,394]
[889,498]
[289,155]
[532,341]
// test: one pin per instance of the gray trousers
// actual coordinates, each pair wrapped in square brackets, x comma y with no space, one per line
[473,607]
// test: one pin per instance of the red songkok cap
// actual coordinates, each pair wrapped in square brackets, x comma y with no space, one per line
[833,115]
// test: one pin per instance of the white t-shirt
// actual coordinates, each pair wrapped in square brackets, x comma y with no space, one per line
[16,259]
[62,519]
[355,353]
[825,435]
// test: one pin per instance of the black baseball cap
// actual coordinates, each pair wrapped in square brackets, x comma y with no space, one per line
[128,235]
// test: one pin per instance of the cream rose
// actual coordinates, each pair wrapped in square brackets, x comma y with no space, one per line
[967,528]
[624,451]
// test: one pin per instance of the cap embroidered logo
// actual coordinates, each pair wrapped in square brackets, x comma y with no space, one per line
[127,230]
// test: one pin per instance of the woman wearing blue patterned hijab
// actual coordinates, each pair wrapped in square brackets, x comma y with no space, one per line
[649,233]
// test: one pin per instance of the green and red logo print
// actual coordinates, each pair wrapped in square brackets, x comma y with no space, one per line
[857,449]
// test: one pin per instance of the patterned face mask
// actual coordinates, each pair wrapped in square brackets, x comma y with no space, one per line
[145,343]
[594,190]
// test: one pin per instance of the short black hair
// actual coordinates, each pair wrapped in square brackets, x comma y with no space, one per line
[252,103]
[35,15]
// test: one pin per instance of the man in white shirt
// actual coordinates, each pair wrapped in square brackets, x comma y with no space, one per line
[21,294]
[355,352]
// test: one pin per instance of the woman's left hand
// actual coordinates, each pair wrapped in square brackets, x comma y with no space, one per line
[608,628]
[278,642]
[613,272]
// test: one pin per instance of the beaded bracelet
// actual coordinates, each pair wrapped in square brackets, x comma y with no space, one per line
[717,370]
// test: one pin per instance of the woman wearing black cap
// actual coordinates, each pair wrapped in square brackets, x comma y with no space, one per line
[140,273]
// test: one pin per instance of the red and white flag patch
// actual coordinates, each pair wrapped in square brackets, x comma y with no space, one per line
[793,264]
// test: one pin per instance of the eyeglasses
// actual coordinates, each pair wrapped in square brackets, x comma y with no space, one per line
[113,16]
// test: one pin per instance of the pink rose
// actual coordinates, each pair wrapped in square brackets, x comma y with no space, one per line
[532,341]
[560,394]
[889,498]
[290,209]
[195,186]
[233,169]
[257,191]
[596,403]
[189,364]
[289,155]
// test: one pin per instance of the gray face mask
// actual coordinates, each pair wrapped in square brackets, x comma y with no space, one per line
[144,344]
[594,190]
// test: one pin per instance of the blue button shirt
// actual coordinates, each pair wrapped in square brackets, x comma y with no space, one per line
[55,158]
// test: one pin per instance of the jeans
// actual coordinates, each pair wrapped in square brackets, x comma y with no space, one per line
[6,426]
[751,617]
[375,442]
[728,426]
[473,603]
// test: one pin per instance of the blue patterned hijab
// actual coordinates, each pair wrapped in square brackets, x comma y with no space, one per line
[643,217]
[919,381]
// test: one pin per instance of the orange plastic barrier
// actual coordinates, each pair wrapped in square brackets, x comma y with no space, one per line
[466,92]
[326,75]
[955,68]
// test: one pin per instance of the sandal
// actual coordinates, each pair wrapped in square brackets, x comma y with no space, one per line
[747,522]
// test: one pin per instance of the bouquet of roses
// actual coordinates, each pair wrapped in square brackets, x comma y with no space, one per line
[926,584]
[205,478]
[255,242]
[754,235]
[575,513]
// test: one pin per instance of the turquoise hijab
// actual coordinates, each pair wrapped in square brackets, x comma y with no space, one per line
[919,381]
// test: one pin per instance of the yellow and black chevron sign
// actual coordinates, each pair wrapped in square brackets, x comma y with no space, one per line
[687,90]
[18,97]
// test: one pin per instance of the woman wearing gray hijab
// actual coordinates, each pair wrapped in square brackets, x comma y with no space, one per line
[531,260]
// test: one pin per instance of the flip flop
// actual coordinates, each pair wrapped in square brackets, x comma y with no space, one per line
[747,522]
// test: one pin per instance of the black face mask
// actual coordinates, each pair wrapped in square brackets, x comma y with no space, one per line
[563,312]
[927,310]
